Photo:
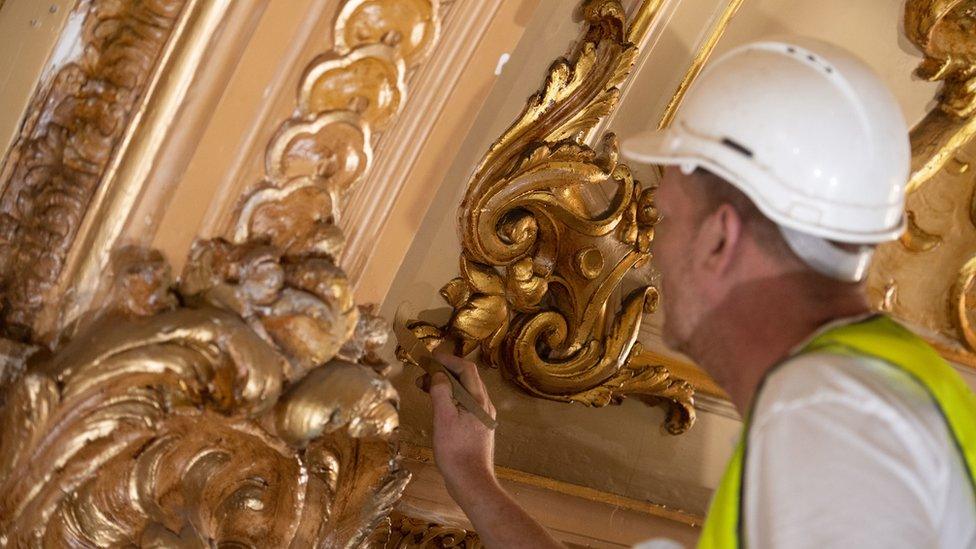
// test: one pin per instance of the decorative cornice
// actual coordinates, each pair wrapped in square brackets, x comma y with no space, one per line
[56,167]
[413,533]
[928,279]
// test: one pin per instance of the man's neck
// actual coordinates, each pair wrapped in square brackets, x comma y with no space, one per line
[761,323]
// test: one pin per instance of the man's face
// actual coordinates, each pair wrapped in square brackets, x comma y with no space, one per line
[673,240]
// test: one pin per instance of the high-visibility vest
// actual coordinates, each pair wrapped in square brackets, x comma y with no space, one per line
[881,338]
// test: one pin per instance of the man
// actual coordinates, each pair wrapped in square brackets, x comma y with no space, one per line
[786,165]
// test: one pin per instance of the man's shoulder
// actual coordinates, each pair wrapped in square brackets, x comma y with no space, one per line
[825,375]
[852,391]
[868,450]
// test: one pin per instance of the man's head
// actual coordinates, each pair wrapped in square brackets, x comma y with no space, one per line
[788,157]
[711,241]
[711,237]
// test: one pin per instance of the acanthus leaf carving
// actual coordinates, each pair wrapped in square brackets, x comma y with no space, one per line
[540,263]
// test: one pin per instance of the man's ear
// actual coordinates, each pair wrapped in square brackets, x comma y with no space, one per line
[718,239]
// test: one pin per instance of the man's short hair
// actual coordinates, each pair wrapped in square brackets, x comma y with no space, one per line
[716,191]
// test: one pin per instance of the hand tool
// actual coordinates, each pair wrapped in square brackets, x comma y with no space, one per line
[416,350]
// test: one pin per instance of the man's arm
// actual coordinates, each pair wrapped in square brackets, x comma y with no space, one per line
[464,451]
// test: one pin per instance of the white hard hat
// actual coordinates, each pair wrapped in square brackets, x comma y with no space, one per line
[809,133]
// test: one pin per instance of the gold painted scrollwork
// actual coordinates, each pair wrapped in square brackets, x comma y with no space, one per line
[233,419]
[928,278]
[412,533]
[246,404]
[540,263]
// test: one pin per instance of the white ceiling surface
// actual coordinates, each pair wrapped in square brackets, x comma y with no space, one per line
[621,449]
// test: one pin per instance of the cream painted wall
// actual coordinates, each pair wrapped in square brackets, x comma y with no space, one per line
[869,28]
[29,34]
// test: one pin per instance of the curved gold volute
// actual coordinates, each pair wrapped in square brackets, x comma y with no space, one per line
[944,30]
[928,278]
[541,263]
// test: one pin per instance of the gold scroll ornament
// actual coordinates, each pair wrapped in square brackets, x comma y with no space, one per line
[413,533]
[160,425]
[540,264]
[929,277]
[247,405]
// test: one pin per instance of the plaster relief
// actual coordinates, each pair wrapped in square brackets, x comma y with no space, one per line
[928,277]
[540,262]
[66,150]
[244,403]
[204,423]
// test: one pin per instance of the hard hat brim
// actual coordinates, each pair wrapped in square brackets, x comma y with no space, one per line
[650,147]
[674,147]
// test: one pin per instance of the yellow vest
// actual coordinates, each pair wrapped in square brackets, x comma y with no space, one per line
[881,338]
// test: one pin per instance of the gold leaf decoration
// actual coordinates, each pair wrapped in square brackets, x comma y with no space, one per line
[412,533]
[943,30]
[915,238]
[541,264]
[195,426]
[930,270]
[345,97]
[410,25]
[65,149]
[369,80]
[246,405]
[333,146]
[964,298]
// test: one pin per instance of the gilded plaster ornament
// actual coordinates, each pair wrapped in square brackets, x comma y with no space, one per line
[228,420]
[413,533]
[927,278]
[540,263]
[345,97]
[245,404]
[66,149]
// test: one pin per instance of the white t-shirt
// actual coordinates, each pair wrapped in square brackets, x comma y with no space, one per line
[851,452]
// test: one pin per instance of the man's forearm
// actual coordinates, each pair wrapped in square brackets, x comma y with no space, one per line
[498,519]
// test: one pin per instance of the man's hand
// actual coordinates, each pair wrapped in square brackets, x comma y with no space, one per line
[463,446]
[465,450]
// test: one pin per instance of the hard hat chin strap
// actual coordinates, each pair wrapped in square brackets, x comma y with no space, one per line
[828,259]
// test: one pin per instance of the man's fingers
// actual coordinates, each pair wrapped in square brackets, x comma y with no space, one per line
[453,363]
[468,374]
[441,395]
[423,383]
